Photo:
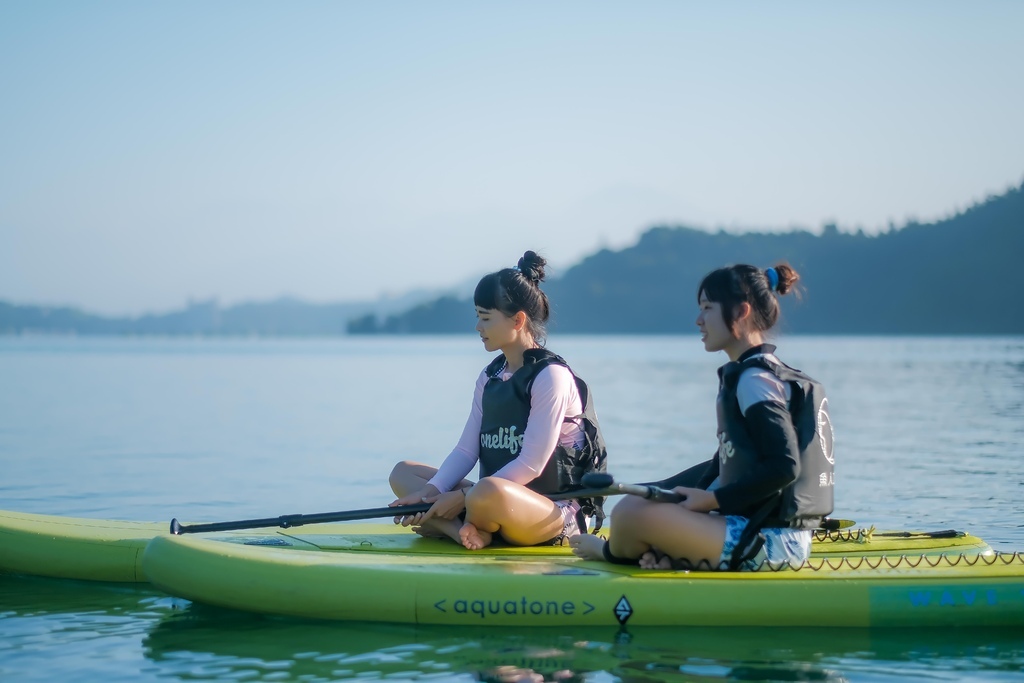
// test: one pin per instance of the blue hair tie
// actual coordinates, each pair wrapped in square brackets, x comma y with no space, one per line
[773,279]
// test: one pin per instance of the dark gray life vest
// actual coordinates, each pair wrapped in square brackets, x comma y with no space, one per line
[506,413]
[803,503]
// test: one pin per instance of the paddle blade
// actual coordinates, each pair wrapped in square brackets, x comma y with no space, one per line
[835,524]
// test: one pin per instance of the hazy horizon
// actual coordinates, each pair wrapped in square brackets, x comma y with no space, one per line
[159,153]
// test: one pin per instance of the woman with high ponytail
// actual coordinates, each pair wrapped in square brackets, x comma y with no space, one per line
[770,483]
[532,430]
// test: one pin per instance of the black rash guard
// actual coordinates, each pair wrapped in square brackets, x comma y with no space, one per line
[761,458]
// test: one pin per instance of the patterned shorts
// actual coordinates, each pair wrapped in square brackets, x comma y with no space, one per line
[570,522]
[781,546]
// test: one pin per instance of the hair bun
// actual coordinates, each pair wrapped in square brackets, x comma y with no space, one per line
[531,265]
[786,278]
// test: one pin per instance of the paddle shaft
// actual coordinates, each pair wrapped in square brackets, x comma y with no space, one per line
[647,491]
[287,521]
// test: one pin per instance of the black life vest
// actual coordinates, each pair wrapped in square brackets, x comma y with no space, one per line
[803,503]
[506,413]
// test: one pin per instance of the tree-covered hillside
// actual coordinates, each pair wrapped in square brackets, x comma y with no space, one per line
[957,276]
[961,275]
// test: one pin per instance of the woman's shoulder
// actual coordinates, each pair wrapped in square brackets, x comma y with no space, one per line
[555,372]
[555,380]
[758,384]
[543,356]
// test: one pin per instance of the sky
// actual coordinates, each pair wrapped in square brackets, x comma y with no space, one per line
[157,153]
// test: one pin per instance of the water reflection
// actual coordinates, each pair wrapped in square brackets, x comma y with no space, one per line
[88,631]
[202,643]
[70,631]
[39,596]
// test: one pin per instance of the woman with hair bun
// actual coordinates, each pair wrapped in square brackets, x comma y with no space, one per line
[771,481]
[532,429]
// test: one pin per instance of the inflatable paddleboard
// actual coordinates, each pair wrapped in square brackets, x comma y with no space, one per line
[355,583]
[111,550]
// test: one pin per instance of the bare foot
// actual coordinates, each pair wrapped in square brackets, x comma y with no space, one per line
[474,539]
[654,559]
[428,532]
[587,546]
[440,528]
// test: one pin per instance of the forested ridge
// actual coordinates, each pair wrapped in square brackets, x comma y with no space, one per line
[961,275]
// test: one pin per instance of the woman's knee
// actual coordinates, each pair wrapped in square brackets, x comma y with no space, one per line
[403,471]
[488,490]
[486,501]
[629,508]
[504,501]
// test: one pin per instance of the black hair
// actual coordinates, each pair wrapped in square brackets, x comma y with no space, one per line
[511,290]
[731,286]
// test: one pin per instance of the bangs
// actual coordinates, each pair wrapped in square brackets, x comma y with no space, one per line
[487,292]
[717,286]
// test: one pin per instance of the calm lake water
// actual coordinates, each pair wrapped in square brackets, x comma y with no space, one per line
[929,435]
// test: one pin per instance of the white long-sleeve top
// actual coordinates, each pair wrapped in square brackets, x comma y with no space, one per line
[553,398]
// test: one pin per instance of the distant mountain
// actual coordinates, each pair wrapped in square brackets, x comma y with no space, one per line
[962,275]
[283,317]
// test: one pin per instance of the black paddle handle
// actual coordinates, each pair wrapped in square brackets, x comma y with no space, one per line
[605,481]
[658,495]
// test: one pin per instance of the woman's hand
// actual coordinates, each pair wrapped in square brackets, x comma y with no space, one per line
[427,494]
[697,500]
[445,505]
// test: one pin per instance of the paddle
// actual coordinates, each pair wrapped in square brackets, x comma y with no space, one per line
[599,484]
[598,487]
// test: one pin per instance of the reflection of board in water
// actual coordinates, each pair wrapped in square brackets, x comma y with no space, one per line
[33,595]
[201,640]
[200,643]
